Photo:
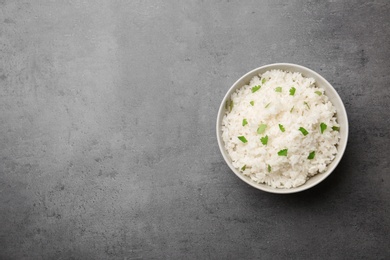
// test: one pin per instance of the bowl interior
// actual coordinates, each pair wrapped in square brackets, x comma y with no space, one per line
[329,91]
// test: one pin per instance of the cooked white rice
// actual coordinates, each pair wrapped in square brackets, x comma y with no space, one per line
[307,108]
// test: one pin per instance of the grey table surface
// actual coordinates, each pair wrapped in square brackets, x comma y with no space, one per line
[108,145]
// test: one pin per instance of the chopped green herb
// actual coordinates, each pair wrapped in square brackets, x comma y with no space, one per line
[306,105]
[291,109]
[268,105]
[283,152]
[242,139]
[319,93]
[261,129]
[281,127]
[243,168]
[229,105]
[244,122]
[311,155]
[304,131]
[256,88]
[252,103]
[292,91]
[336,128]
[278,89]
[323,127]
[264,140]
[263,80]
[269,168]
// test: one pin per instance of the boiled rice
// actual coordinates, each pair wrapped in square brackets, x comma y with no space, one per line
[273,104]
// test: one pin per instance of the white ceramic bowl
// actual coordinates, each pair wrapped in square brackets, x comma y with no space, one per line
[329,91]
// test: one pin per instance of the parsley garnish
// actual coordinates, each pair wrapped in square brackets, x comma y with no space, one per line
[264,140]
[242,139]
[336,128]
[263,80]
[261,129]
[319,93]
[252,103]
[283,152]
[292,91]
[311,155]
[244,122]
[323,127]
[243,168]
[281,127]
[278,89]
[256,88]
[229,104]
[269,168]
[304,131]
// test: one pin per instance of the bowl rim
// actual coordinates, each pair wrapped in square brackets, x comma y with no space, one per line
[265,187]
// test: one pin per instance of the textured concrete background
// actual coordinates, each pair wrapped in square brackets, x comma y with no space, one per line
[107,119]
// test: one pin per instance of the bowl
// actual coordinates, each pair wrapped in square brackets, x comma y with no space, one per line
[333,96]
